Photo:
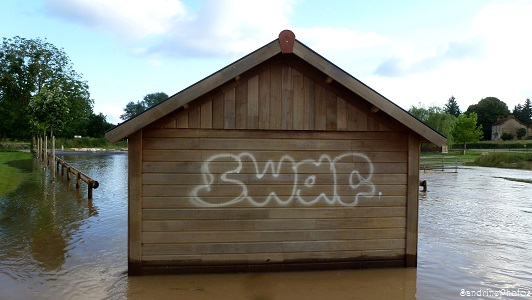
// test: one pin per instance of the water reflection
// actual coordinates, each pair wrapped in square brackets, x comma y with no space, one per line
[475,233]
[54,241]
[344,284]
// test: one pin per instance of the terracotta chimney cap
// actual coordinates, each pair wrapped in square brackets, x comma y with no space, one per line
[286,41]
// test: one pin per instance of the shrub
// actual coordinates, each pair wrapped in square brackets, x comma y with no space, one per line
[520,133]
[507,136]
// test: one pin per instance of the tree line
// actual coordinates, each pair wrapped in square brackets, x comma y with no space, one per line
[475,123]
[40,92]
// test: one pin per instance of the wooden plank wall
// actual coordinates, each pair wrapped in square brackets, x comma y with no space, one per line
[277,97]
[191,178]
[314,147]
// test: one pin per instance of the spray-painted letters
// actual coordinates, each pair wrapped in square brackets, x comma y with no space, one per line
[230,178]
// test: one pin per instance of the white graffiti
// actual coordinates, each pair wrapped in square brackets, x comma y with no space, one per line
[335,181]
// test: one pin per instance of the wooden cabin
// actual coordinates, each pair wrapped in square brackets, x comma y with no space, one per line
[280,161]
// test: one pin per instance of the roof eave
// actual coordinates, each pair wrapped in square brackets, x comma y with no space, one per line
[370,95]
[194,91]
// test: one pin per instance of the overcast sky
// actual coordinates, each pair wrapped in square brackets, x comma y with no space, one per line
[409,51]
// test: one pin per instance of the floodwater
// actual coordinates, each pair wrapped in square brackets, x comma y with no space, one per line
[475,241]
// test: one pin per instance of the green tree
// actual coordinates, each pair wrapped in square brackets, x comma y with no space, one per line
[48,110]
[466,130]
[153,99]
[98,125]
[451,107]
[523,112]
[27,66]
[132,109]
[437,118]
[520,133]
[488,110]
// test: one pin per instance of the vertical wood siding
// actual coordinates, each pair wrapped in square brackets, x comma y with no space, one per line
[277,98]
[276,167]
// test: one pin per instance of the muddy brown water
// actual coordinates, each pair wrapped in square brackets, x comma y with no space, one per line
[475,241]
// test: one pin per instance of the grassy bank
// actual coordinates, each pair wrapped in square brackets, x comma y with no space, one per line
[482,158]
[454,157]
[505,160]
[85,142]
[10,177]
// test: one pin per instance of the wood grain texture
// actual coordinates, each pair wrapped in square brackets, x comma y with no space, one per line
[278,97]
[195,91]
[218,112]
[412,200]
[284,161]
[175,226]
[135,204]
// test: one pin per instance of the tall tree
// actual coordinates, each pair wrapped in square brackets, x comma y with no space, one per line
[27,66]
[132,109]
[488,111]
[153,99]
[98,125]
[48,111]
[466,129]
[451,107]
[523,112]
[437,118]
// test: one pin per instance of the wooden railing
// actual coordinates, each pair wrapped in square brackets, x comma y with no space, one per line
[47,157]
[80,176]
[439,166]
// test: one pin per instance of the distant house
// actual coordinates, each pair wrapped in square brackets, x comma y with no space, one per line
[508,125]
[280,161]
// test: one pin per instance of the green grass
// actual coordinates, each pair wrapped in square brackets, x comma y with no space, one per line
[451,157]
[505,160]
[483,158]
[87,142]
[10,178]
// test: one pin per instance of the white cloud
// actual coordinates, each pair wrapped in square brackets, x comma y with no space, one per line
[229,27]
[217,28]
[129,19]
[490,58]
[342,39]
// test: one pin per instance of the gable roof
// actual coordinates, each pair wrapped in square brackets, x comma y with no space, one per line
[508,118]
[285,44]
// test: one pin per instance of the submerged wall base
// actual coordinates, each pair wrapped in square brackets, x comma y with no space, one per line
[153,268]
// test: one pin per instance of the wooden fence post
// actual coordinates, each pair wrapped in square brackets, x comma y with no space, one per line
[45,151]
[53,158]
[38,148]
[89,189]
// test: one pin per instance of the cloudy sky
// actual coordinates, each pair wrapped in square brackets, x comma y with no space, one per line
[412,51]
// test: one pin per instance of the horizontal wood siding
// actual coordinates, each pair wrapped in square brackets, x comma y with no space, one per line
[278,97]
[212,197]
